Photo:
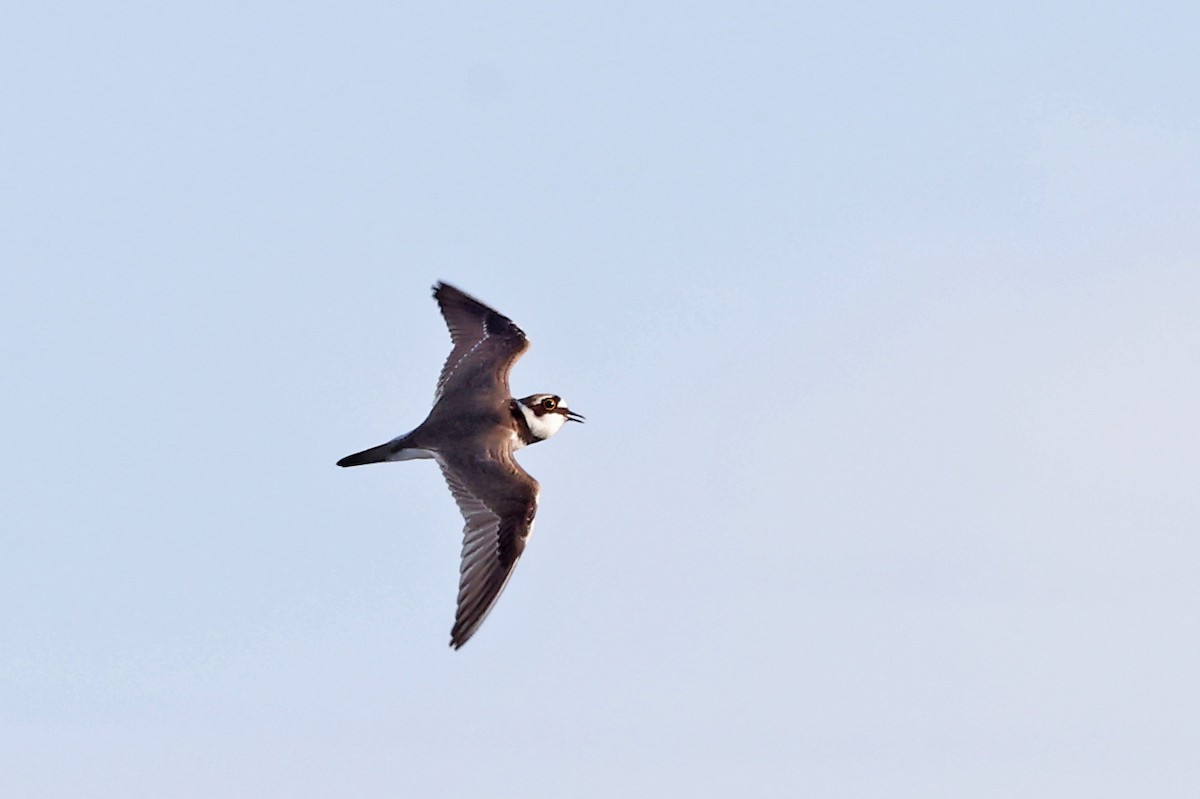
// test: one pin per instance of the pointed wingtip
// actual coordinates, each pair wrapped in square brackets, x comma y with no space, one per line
[446,292]
[460,635]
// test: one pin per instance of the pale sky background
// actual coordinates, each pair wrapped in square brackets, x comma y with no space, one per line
[885,318]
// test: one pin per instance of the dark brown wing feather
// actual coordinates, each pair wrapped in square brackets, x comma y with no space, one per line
[486,345]
[498,500]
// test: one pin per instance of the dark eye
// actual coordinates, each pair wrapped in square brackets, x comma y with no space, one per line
[548,404]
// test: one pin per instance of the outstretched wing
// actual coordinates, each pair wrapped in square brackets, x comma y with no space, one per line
[486,345]
[498,500]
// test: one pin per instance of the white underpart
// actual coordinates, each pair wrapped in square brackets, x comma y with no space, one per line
[542,426]
[410,454]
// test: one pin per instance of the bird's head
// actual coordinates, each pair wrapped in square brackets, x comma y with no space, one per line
[546,414]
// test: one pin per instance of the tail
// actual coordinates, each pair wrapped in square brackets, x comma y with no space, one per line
[398,449]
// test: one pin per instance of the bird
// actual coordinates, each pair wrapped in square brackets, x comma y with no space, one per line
[472,431]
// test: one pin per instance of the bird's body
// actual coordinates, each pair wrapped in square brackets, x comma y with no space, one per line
[472,431]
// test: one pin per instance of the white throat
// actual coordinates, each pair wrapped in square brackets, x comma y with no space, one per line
[542,426]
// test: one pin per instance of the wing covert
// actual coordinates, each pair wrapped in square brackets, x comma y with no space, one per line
[486,344]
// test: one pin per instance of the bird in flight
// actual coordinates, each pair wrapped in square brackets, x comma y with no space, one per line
[472,431]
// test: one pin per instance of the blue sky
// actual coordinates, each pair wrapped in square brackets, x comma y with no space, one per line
[884,318]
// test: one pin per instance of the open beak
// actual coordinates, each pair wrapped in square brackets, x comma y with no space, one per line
[572,416]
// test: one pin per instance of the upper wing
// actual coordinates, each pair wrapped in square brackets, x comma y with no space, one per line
[498,500]
[486,344]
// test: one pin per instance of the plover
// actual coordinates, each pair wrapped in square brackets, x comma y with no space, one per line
[472,431]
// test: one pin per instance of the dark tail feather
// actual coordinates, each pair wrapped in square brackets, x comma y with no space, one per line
[372,455]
